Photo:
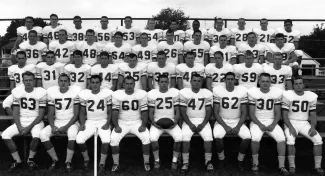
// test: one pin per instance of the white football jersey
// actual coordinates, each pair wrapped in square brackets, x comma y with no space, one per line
[89,52]
[7,103]
[228,52]
[200,50]
[16,74]
[179,35]
[118,53]
[129,35]
[299,106]
[155,71]
[257,50]
[264,102]
[29,102]
[49,73]
[195,103]
[248,77]
[240,35]
[189,33]
[172,51]
[62,52]
[145,54]
[130,106]
[153,36]
[230,102]
[185,73]
[217,74]
[286,50]
[52,33]
[33,52]
[78,76]
[77,35]
[96,104]
[104,36]
[278,77]
[22,31]
[108,74]
[63,102]
[289,37]
[163,103]
[214,35]
[264,36]
[137,72]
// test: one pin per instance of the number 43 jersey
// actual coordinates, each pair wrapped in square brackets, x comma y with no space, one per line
[230,102]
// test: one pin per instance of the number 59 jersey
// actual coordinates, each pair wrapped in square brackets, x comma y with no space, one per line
[230,102]
[299,106]
[248,77]
[96,104]
[195,103]
[63,102]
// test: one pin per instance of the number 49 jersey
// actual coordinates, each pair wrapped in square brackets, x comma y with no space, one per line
[230,102]
[108,74]
[96,104]
[299,106]
[78,76]
[49,73]
[63,102]
[163,103]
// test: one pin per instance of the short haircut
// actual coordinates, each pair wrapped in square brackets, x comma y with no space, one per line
[54,15]
[279,35]
[161,53]
[296,78]
[216,19]
[28,73]
[96,77]
[132,55]
[169,31]
[196,21]
[287,21]
[265,75]
[64,75]
[32,32]
[50,52]
[65,31]
[197,31]
[190,53]
[277,54]
[144,33]
[104,53]
[171,21]
[163,76]
[128,17]
[250,33]
[77,17]
[22,52]
[196,75]
[218,52]
[241,19]
[249,53]
[29,17]
[128,78]
[77,52]
[90,31]
[263,19]
[118,33]
[223,36]
[230,74]
[104,17]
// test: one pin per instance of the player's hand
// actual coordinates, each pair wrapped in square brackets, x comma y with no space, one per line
[192,127]
[105,127]
[235,130]
[142,129]
[293,132]
[82,127]
[228,129]
[54,129]
[270,127]
[20,129]
[200,127]
[312,132]
[118,129]
[63,129]
[262,127]
[26,130]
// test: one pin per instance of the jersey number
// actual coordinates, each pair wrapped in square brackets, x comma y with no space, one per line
[47,76]
[74,76]
[58,102]
[238,39]
[64,52]
[192,104]
[268,104]
[299,106]
[135,75]
[173,53]
[168,102]
[108,76]
[134,105]
[101,37]
[225,103]
[100,105]
[30,103]
[274,79]
[215,77]
[34,52]
[251,75]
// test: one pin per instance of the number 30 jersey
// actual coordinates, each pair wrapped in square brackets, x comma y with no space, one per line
[96,104]
[278,77]
[63,102]
[163,103]
[230,102]
[49,73]
[78,76]
[299,106]
[248,77]
[130,106]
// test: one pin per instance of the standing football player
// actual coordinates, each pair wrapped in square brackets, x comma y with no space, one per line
[257,49]
[195,27]
[265,34]
[179,35]
[229,51]
[62,48]
[119,49]
[51,33]
[200,48]
[173,49]
[153,34]
[77,33]
[217,31]
[146,53]
[104,34]
[239,35]
[290,36]
[130,33]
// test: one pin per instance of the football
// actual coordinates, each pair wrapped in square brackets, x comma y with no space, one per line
[165,123]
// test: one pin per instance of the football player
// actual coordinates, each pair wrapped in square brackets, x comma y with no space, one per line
[63,111]
[34,49]
[96,103]
[78,71]
[173,49]
[200,48]
[130,33]
[106,70]
[215,72]
[153,34]
[290,36]
[265,34]
[155,69]
[217,31]
[62,48]
[229,51]
[136,70]
[265,113]
[29,104]
[130,115]
[179,35]
[104,33]
[239,35]
[146,53]
[299,106]
[196,111]
[257,49]
[163,102]
[185,70]
[280,74]
[248,72]
[195,27]
[15,72]
[51,32]
[119,49]
[47,73]
[230,111]
[77,33]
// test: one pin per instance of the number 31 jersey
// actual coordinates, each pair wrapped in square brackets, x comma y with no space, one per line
[49,73]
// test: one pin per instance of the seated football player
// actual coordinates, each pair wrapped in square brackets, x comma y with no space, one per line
[62,115]
[62,48]
[196,111]
[265,113]
[146,52]
[230,111]
[173,49]
[29,104]
[229,51]
[257,49]
[299,106]
[96,104]
[130,115]
[199,47]
[163,105]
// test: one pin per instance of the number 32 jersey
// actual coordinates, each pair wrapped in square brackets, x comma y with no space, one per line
[78,76]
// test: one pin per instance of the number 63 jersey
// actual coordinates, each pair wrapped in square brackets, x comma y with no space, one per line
[230,101]
[299,106]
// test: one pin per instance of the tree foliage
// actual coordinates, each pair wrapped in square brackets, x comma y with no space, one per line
[165,15]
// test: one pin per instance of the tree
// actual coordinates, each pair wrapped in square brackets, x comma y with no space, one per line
[165,15]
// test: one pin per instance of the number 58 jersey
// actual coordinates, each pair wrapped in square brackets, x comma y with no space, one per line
[230,102]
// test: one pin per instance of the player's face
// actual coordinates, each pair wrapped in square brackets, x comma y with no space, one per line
[197,36]
[196,82]
[189,59]
[54,20]
[298,85]
[95,84]
[28,81]
[77,59]
[144,39]
[90,36]
[127,22]
[230,81]
[279,41]
[195,25]
[264,23]
[77,23]
[218,59]
[129,85]
[133,62]
[118,39]
[50,59]
[163,83]
[21,59]
[251,39]
[32,37]
[249,59]
[151,24]
[277,60]
[29,23]
[173,26]
[104,22]
[104,60]
[223,41]
[288,26]
[265,82]
[241,23]
[161,59]
[62,36]
[170,36]
[64,82]
[219,23]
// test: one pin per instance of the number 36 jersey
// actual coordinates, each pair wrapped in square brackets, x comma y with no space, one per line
[299,106]
[230,102]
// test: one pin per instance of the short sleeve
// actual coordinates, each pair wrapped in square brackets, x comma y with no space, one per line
[216,99]
[115,74]
[244,99]
[115,104]
[278,100]
[285,103]
[289,75]
[182,100]
[11,74]
[76,100]
[38,72]
[251,100]
[176,100]
[82,101]
[151,101]
[143,71]
[143,103]
[208,100]
[7,102]
[42,102]
[179,73]
[50,100]
[109,100]
[312,105]
[121,72]
[15,101]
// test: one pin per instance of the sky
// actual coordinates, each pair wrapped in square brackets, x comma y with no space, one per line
[250,9]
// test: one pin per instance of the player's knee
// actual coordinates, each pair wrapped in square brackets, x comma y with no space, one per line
[105,139]
[290,141]
[6,135]
[207,138]
[280,138]
[44,136]
[115,140]
[178,137]
[186,137]
[256,138]
[317,140]
[145,137]
[80,139]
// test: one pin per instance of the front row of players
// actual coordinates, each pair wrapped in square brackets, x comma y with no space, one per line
[129,110]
